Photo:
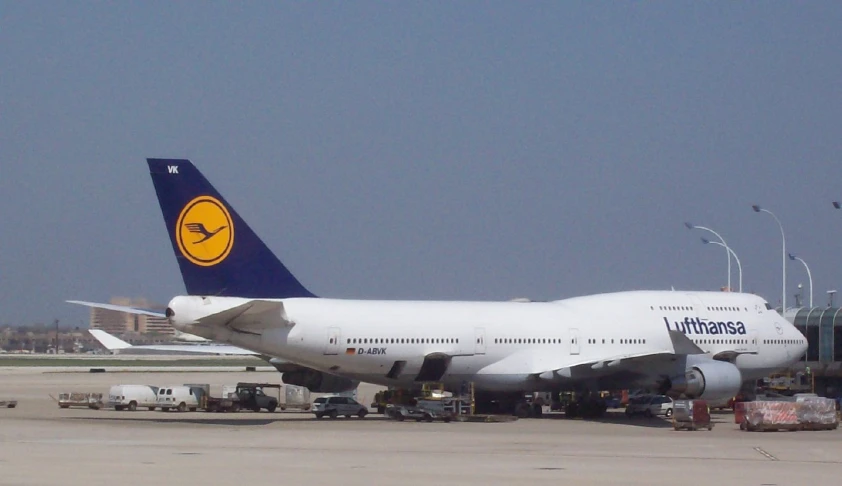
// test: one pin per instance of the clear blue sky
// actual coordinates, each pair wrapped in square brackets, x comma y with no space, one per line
[433,150]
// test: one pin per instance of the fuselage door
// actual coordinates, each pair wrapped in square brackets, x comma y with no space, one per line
[574,341]
[332,342]
[479,340]
[752,341]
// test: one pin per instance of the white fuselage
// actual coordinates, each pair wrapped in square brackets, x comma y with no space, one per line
[502,346]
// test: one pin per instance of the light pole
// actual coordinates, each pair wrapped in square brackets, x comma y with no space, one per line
[739,267]
[810,277]
[758,209]
[727,250]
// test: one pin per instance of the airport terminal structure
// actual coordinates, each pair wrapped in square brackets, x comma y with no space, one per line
[822,326]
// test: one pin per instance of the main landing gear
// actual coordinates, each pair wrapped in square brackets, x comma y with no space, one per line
[586,407]
[524,409]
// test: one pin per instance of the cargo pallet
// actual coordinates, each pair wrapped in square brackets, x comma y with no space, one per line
[691,426]
[786,427]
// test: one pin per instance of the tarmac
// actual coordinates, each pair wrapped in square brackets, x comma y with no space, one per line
[41,444]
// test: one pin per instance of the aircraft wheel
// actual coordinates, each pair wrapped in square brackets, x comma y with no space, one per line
[522,410]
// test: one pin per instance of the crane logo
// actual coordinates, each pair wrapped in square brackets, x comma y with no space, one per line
[204,231]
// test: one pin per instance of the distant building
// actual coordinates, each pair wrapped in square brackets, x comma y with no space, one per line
[116,322]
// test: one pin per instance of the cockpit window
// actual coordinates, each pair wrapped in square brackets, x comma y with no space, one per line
[768,306]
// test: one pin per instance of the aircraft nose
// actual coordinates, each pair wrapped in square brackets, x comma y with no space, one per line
[802,347]
[800,341]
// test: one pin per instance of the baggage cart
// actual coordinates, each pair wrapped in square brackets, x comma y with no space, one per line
[77,399]
[228,402]
[691,415]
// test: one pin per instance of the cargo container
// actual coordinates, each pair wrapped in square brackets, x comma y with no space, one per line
[691,415]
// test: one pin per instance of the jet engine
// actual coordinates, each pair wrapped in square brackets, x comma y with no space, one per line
[709,380]
[318,382]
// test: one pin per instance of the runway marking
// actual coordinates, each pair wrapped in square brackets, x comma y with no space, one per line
[766,454]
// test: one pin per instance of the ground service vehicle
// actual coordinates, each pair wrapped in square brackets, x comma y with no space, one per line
[417,413]
[252,397]
[180,397]
[383,399]
[129,397]
[228,402]
[336,406]
[650,405]
[75,399]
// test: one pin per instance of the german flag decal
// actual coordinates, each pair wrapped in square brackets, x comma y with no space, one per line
[351,351]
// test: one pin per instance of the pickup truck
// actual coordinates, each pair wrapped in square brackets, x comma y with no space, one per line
[252,397]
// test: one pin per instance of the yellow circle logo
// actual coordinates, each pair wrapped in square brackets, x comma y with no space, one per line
[204,231]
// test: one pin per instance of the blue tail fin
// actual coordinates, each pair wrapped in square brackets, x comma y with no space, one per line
[217,252]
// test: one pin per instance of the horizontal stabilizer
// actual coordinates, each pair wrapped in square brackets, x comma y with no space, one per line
[253,317]
[119,308]
[111,343]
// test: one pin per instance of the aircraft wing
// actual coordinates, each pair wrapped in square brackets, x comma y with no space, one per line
[549,366]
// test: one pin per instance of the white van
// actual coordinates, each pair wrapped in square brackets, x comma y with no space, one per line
[179,397]
[129,397]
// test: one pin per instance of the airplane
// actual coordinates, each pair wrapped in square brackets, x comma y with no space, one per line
[693,344]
